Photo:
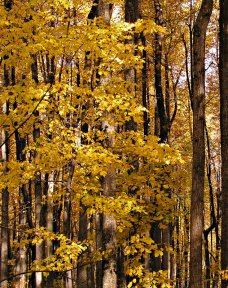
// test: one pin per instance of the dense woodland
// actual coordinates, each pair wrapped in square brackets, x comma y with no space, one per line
[114,143]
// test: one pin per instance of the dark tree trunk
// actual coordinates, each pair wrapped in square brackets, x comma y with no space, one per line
[85,275]
[197,197]
[224,131]
[162,127]
[82,236]
[145,94]
[5,232]
[213,219]
[161,108]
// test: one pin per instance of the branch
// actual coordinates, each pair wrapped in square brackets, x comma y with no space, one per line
[45,271]
[190,88]
[26,119]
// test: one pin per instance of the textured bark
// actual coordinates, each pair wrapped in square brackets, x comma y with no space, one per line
[166,255]
[5,213]
[39,218]
[49,221]
[109,236]
[131,16]
[186,249]
[5,232]
[108,222]
[161,109]
[155,234]
[162,127]
[131,10]
[82,235]
[38,208]
[145,94]
[67,215]
[25,218]
[197,197]
[85,276]
[224,131]
[22,253]
[99,237]
[213,219]
[178,251]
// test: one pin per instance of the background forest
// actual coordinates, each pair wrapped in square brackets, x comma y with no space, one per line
[111,152]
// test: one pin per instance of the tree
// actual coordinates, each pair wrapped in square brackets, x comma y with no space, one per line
[223,70]
[5,233]
[82,175]
[198,161]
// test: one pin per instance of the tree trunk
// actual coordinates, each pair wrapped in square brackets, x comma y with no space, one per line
[108,222]
[5,237]
[161,108]
[224,131]
[197,197]
[5,211]
[39,218]
[145,94]
[67,215]
[109,236]
[25,217]
[82,235]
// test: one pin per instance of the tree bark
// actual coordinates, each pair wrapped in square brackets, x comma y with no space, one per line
[107,223]
[161,108]
[5,211]
[25,217]
[39,218]
[67,215]
[224,131]
[197,197]
[5,237]
[109,236]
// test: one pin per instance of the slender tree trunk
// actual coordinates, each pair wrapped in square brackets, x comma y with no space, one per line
[22,257]
[51,177]
[178,255]
[99,271]
[121,278]
[213,220]
[38,223]
[197,197]
[5,232]
[5,210]
[172,256]
[145,94]
[67,215]
[224,132]
[39,217]
[82,235]
[25,219]
[109,236]
[161,108]
[186,248]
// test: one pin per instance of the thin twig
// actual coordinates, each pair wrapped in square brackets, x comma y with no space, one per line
[26,119]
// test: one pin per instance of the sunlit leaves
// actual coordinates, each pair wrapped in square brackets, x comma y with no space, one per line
[87,63]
